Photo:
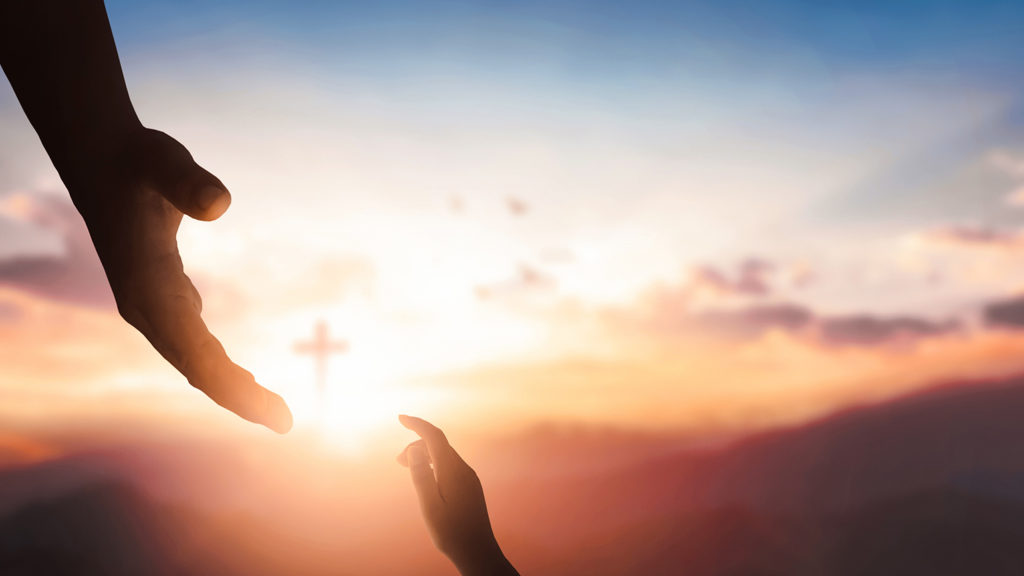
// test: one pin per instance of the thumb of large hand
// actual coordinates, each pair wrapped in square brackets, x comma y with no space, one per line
[169,168]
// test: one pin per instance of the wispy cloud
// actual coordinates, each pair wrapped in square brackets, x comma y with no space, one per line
[676,310]
[868,330]
[75,276]
[981,237]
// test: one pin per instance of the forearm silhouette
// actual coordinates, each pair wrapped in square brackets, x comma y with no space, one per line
[452,502]
[131,184]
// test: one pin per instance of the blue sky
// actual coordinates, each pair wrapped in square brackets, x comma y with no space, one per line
[906,99]
[870,154]
[606,37]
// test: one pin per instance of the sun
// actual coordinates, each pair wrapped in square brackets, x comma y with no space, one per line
[353,409]
[354,415]
[366,386]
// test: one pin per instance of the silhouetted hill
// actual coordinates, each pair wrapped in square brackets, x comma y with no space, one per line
[935,533]
[50,479]
[791,501]
[101,529]
[962,437]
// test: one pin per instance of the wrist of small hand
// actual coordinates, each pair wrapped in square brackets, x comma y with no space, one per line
[498,567]
[490,563]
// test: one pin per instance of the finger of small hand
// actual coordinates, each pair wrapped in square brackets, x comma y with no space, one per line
[432,434]
[441,452]
[423,478]
[403,456]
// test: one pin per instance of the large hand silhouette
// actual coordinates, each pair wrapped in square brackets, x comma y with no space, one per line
[133,218]
[452,502]
[131,184]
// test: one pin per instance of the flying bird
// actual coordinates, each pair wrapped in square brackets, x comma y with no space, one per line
[516,206]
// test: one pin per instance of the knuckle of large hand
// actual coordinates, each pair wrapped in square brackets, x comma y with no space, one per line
[128,310]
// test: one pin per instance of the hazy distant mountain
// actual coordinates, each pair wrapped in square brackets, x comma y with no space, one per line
[929,484]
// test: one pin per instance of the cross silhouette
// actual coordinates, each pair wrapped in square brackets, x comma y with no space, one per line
[321,347]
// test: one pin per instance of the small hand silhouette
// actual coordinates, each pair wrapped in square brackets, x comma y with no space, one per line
[133,212]
[452,502]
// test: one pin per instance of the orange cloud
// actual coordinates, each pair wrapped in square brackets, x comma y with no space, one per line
[22,450]
[50,344]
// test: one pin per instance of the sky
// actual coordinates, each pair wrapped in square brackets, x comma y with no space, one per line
[713,217]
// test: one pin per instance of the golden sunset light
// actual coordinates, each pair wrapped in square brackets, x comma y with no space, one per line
[683,288]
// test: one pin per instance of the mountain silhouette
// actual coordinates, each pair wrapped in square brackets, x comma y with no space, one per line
[100,529]
[903,487]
